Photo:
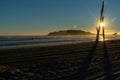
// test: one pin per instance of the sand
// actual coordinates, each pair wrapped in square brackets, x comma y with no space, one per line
[78,61]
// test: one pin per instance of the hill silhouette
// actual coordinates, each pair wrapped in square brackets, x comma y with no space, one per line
[69,32]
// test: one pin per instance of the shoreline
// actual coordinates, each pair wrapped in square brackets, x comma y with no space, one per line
[44,45]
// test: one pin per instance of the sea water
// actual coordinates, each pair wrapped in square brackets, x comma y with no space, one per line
[16,41]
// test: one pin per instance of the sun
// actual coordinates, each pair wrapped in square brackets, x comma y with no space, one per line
[101,24]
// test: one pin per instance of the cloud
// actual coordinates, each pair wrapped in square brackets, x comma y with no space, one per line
[74,26]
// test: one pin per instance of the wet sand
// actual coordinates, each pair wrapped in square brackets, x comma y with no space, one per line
[80,61]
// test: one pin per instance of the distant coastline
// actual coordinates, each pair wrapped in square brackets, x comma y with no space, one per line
[69,32]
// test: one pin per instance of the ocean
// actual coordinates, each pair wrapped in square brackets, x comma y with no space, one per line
[18,41]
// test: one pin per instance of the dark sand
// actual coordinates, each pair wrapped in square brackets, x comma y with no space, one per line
[81,61]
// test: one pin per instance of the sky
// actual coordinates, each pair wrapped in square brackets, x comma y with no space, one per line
[39,17]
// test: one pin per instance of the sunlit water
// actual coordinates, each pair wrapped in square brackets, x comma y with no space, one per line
[16,41]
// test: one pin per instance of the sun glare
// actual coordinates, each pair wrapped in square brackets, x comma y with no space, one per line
[101,24]
[101,38]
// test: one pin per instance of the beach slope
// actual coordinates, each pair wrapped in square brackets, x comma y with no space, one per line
[78,61]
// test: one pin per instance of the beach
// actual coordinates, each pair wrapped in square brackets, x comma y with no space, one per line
[75,61]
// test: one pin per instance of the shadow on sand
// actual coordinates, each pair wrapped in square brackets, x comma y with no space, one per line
[82,73]
[83,70]
[107,64]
